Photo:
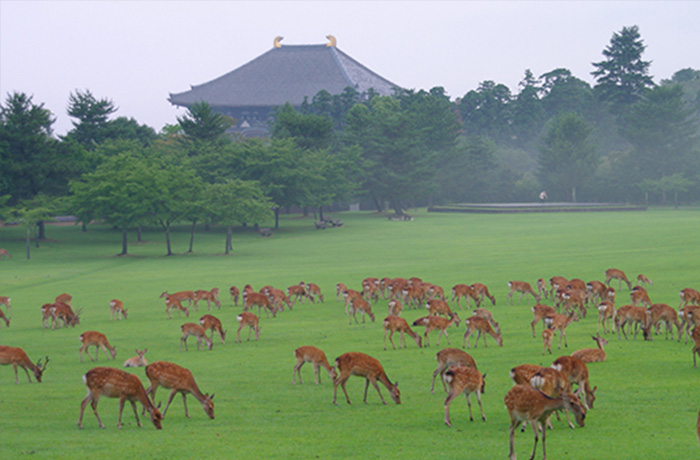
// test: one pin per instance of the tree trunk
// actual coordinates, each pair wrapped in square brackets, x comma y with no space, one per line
[675,200]
[396,205]
[277,217]
[36,240]
[320,213]
[194,222]
[166,227]
[573,194]
[377,204]
[42,230]
[124,244]
[229,236]
[84,227]
[29,231]
[138,235]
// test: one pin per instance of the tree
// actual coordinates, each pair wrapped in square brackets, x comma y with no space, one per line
[486,111]
[235,202]
[563,92]
[527,110]
[202,124]
[623,77]
[567,158]
[308,131]
[92,116]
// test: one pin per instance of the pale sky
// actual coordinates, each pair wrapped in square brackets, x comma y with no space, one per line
[137,52]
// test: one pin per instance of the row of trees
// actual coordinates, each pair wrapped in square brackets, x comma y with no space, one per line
[624,139]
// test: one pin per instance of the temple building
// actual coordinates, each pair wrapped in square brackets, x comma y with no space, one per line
[286,73]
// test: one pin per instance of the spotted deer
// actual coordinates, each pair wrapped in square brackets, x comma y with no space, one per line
[636,317]
[448,357]
[315,356]
[18,358]
[540,312]
[250,320]
[661,313]
[210,296]
[479,291]
[396,323]
[462,291]
[465,380]
[432,323]
[559,322]
[235,294]
[177,379]
[606,313]
[138,360]
[99,340]
[116,309]
[359,304]
[547,336]
[213,324]
[592,355]
[196,330]
[577,372]
[362,365]
[523,288]
[483,327]
[619,275]
[689,296]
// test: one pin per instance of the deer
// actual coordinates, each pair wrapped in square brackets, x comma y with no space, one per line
[65,313]
[542,288]
[395,307]
[396,323]
[314,292]
[99,340]
[116,383]
[523,288]
[577,372]
[639,296]
[5,254]
[359,304]
[552,383]
[573,298]
[488,316]
[633,315]
[278,298]
[688,319]
[689,296]
[235,294]
[252,299]
[4,318]
[436,292]
[448,357]
[315,356]
[177,379]
[436,322]
[619,275]
[116,308]
[540,312]
[662,313]
[64,298]
[642,279]
[138,360]
[370,291]
[182,295]
[348,296]
[18,357]
[4,300]
[462,290]
[212,323]
[196,330]
[210,296]
[250,320]
[46,315]
[555,283]
[173,302]
[483,327]
[438,307]
[606,312]
[695,334]
[526,404]
[362,365]
[547,336]
[559,322]
[467,380]
[480,291]
[296,292]
[596,290]
[592,355]
[413,294]
[522,374]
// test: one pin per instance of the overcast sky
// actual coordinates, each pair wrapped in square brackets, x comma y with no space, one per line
[137,52]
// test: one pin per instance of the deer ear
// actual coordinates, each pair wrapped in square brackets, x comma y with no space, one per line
[483,376]
[212,396]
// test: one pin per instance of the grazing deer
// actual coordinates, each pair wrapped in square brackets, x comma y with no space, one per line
[689,296]
[173,302]
[436,322]
[573,298]
[540,312]
[99,340]
[177,379]
[212,323]
[64,298]
[209,296]
[196,330]
[413,294]
[438,307]
[523,288]
[17,357]
[278,298]
[639,296]
[251,299]
[606,312]
[448,357]
[235,294]
[63,312]
[6,301]
[182,295]
[662,313]
[115,383]
[483,327]
[396,323]
[314,292]
[296,292]
[116,307]
[436,292]
[619,275]
[554,384]
[138,360]
[465,380]
[362,365]
[547,336]
[46,315]
[522,374]
[250,320]
[5,254]
[462,290]
[592,355]
[488,316]
[689,317]
[633,315]
[370,291]
[480,291]
[577,372]
[395,307]
[556,283]
[641,279]
[359,304]
[542,289]
[315,356]
[596,290]
[559,322]
[4,318]
[696,348]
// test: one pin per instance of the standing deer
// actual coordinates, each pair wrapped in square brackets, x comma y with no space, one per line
[6,301]
[395,307]
[250,320]
[689,296]
[559,322]
[448,357]
[99,340]
[251,299]
[4,318]
[547,336]
[639,295]
[138,360]
[212,323]
[662,313]
[438,307]
[480,291]
[314,292]
[462,290]
[540,312]
[606,312]
[523,288]
[577,372]
[235,293]
[592,355]
[619,275]
[436,322]
[65,313]
[115,383]
[635,316]
[179,380]
[209,296]
[362,365]
[696,348]
[483,327]
[116,308]
[182,295]
[196,330]
[526,404]
[465,380]
[554,384]
[173,302]
[18,357]
[396,323]
[641,279]
[359,304]
[315,356]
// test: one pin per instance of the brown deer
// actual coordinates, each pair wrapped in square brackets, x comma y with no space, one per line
[542,288]
[557,282]
[190,296]
[5,254]
[315,356]
[4,318]
[633,315]
[370,291]
[696,348]
[250,320]
[64,298]
[396,323]
[436,322]
[251,299]
[480,291]
[138,360]
[448,357]
[596,290]
[689,296]
[540,312]
[619,275]
[395,307]
[314,292]
[577,372]
[592,355]
[483,327]
[196,330]
[689,317]
[4,300]
[173,302]
[359,304]
[488,316]
[235,294]
[522,374]
[639,296]
[296,292]
[212,323]
[99,340]
[526,404]
[177,379]
[278,299]
[438,307]
[116,308]
[554,384]
[547,336]
[362,365]
[210,296]
[662,313]
[559,322]
[115,383]
[63,312]
[523,288]
[606,312]
[465,380]
[18,357]
[462,290]
[641,279]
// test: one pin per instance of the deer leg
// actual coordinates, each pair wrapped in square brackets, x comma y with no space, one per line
[297,370]
[437,371]
[122,399]
[136,412]
[347,398]
[317,373]
[511,455]
[535,429]
[466,338]
[469,404]
[184,403]
[402,339]
[374,382]
[170,399]
[82,409]
[448,401]
[695,351]
[93,404]
[478,398]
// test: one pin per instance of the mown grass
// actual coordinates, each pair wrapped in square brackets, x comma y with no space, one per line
[646,404]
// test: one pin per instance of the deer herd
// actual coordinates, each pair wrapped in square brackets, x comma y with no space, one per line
[537,392]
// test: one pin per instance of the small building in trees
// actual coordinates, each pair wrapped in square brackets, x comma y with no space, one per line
[289,73]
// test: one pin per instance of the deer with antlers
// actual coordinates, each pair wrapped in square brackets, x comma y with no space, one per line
[315,356]
[138,360]
[482,327]
[250,320]
[197,331]
[99,340]
[18,357]
[396,323]
[115,383]
[467,380]
[592,355]
[116,308]
[362,365]
[448,357]
[177,379]
[436,322]
[523,288]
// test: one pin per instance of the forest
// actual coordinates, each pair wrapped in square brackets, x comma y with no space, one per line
[624,139]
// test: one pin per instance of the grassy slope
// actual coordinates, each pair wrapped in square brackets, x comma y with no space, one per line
[645,388]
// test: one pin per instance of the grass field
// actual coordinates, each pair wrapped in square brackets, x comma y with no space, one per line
[647,400]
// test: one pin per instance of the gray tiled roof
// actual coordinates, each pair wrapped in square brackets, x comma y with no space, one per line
[286,74]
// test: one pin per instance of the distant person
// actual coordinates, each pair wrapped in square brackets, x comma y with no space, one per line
[543,197]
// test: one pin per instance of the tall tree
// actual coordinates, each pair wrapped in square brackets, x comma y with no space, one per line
[92,116]
[487,111]
[623,76]
[202,124]
[309,131]
[567,157]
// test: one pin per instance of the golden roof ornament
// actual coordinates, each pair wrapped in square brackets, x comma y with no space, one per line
[277,40]
[332,41]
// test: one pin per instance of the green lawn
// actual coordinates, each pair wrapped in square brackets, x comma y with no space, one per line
[646,405]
